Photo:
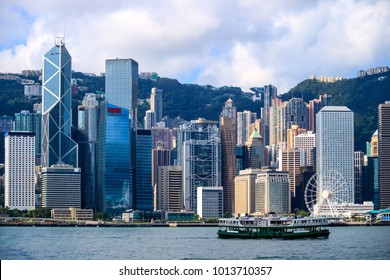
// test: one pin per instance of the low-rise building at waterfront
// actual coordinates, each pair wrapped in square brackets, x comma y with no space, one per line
[180,215]
[75,214]
[61,186]
[210,202]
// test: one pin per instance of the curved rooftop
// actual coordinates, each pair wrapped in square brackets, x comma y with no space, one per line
[335,109]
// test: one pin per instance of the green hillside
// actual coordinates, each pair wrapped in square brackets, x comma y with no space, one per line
[12,99]
[361,95]
[191,101]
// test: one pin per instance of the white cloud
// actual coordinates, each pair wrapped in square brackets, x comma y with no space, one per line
[241,43]
[239,66]
[28,55]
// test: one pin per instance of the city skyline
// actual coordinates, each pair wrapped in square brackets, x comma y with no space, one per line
[241,43]
[84,179]
[126,192]
[201,161]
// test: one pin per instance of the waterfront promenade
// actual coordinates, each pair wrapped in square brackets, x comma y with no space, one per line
[50,222]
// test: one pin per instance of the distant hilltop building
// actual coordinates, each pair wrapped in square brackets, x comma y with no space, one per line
[90,74]
[34,90]
[5,76]
[372,71]
[148,76]
[257,93]
[326,79]
[32,73]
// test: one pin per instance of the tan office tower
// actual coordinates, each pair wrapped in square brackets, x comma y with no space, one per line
[291,160]
[291,133]
[374,144]
[384,154]
[160,157]
[244,191]
[228,161]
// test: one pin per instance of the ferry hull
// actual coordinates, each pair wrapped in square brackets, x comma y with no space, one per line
[255,235]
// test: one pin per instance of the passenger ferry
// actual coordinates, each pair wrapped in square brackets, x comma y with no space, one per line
[273,227]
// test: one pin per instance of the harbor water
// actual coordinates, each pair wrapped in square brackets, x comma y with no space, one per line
[185,243]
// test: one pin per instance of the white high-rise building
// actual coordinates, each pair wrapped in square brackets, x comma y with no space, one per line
[306,142]
[156,103]
[244,120]
[335,145]
[61,186]
[149,119]
[272,191]
[19,170]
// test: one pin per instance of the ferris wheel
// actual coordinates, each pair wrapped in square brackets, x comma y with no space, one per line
[326,194]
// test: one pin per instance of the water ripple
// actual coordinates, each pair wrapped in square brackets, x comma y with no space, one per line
[195,243]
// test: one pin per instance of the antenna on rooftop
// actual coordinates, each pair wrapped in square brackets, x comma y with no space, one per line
[58,39]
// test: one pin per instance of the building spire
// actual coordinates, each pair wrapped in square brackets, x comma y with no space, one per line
[59,40]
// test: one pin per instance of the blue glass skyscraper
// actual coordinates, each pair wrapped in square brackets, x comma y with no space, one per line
[114,173]
[371,181]
[143,170]
[26,121]
[57,144]
[87,126]
[122,85]
[60,172]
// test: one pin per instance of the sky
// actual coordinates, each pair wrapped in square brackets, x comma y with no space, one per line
[243,43]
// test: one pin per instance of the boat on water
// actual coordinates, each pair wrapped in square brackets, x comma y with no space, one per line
[273,227]
[172,224]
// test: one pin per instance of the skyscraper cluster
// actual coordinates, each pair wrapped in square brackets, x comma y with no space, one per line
[239,164]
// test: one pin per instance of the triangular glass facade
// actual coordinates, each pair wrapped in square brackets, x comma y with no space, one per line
[57,144]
